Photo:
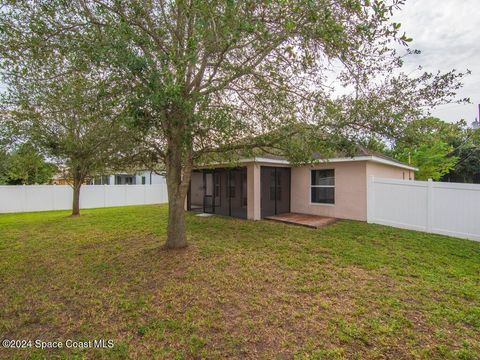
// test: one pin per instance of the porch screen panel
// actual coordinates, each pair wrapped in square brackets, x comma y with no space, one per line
[237,192]
[221,192]
[275,190]
[208,192]
[283,190]
[267,188]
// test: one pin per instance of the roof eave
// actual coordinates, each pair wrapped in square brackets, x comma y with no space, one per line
[393,163]
[372,158]
[354,158]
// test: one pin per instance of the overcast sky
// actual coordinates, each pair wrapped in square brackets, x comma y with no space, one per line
[448,34]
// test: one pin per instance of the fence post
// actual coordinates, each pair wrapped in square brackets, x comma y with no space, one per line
[53,196]
[104,195]
[25,198]
[429,205]
[371,199]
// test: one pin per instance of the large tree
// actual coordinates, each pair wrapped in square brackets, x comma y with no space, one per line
[74,118]
[214,79]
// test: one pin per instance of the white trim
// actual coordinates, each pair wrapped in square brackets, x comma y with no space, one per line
[321,161]
[333,160]
[266,160]
[320,204]
[393,163]
[369,158]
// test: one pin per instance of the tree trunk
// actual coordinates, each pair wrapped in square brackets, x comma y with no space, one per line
[176,231]
[178,167]
[77,184]
[76,200]
[178,180]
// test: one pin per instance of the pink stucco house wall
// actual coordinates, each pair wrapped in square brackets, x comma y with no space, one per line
[269,185]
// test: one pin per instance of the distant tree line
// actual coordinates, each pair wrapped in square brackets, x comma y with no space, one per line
[441,151]
[25,165]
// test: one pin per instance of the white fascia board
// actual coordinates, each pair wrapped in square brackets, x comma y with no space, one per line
[373,159]
[393,163]
[266,160]
[332,160]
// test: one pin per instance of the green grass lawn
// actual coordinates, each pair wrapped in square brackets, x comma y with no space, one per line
[241,289]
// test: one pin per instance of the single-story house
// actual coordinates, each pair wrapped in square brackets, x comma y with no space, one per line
[270,185]
[144,177]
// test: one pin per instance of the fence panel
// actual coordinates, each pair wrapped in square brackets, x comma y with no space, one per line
[24,198]
[135,194]
[12,199]
[442,208]
[456,210]
[115,195]
[92,196]
[63,197]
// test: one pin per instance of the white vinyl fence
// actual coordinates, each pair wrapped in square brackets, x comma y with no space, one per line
[443,208]
[24,198]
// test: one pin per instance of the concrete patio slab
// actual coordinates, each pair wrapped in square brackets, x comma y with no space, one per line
[312,221]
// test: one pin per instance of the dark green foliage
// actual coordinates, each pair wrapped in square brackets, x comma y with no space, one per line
[441,150]
[467,150]
[25,166]
[428,144]
[4,157]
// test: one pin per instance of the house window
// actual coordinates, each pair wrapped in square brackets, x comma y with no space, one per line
[323,186]
[144,180]
[124,180]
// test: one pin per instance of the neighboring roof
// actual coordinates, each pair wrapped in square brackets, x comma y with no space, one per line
[362,154]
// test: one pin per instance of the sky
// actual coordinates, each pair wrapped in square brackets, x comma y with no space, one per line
[448,34]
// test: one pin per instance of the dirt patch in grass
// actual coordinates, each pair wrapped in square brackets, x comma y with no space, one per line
[240,290]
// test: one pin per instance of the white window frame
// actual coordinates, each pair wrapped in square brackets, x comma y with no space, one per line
[321,186]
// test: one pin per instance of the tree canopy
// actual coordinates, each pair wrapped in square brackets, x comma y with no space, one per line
[467,150]
[71,111]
